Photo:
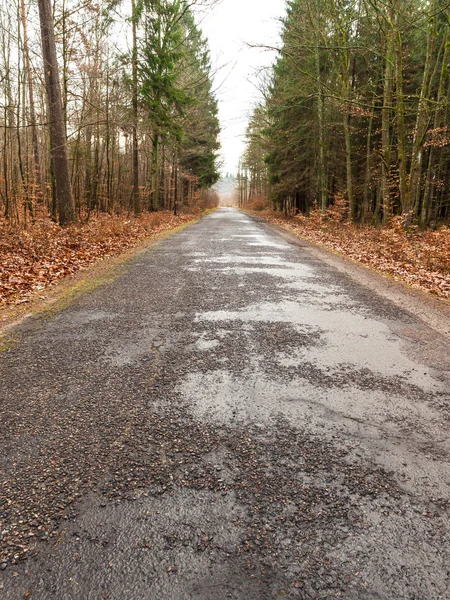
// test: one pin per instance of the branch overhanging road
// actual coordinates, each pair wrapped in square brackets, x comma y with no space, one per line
[230,418]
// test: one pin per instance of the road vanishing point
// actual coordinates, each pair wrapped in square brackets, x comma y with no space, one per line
[230,416]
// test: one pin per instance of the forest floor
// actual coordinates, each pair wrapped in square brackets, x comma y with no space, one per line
[419,258]
[35,258]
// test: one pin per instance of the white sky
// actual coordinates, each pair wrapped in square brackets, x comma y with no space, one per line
[228,27]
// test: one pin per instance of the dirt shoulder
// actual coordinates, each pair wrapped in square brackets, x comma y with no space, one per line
[419,300]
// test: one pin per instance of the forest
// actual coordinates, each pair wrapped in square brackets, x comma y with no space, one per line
[105,107]
[109,132]
[355,114]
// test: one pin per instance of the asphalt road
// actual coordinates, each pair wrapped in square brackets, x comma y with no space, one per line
[231,417]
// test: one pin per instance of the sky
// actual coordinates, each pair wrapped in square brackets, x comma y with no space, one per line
[229,27]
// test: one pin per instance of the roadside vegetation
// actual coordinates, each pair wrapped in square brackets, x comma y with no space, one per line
[122,122]
[352,140]
[420,258]
[35,258]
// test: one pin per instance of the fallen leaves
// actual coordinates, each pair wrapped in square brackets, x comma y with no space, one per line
[420,258]
[33,259]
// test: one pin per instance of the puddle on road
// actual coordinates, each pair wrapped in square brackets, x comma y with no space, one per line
[293,276]
[266,244]
[388,424]
[247,235]
[236,258]
[347,339]
[223,397]
[274,265]
[280,273]
[195,254]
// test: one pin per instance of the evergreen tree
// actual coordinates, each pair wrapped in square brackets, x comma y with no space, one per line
[358,109]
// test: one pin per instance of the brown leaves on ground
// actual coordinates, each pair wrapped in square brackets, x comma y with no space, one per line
[419,258]
[34,258]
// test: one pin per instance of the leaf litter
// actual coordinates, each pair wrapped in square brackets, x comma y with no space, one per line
[35,258]
[418,258]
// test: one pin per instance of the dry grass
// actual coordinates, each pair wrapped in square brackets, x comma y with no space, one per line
[258,205]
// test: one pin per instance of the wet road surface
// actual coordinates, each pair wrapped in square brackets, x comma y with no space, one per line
[230,418]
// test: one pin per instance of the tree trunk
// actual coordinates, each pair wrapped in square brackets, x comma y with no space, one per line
[34,133]
[155,172]
[27,204]
[386,129]
[323,196]
[438,122]
[422,118]
[366,202]
[135,148]
[405,196]
[175,185]
[58,140]
[348,152]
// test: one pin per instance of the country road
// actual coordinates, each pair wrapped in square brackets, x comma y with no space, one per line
[230,417]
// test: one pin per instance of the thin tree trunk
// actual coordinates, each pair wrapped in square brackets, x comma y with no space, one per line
[175,185]
[58,140]
[65,66]
[323,196]
[366,203]
[348,152]
[155,172]
[405,196]
[438,121]
[135,147]
[34,132]
[108,143]
[25,190]
[386,129]
[422,118]
[11,211]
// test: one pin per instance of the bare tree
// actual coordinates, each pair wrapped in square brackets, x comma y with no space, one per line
[58,140]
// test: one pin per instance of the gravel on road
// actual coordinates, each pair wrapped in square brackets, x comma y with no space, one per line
[231,417]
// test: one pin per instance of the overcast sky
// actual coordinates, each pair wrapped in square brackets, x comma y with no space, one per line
[228,27]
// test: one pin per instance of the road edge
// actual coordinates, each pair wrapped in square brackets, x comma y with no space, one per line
[433,311]
[68,289]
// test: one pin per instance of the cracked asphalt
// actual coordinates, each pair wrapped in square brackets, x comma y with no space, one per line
[231,417]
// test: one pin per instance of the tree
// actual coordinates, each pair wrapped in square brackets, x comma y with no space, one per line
[135,99]
[357,109]
[160,92]
[64,200]
[198,149]
[34,130]
[175,91]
